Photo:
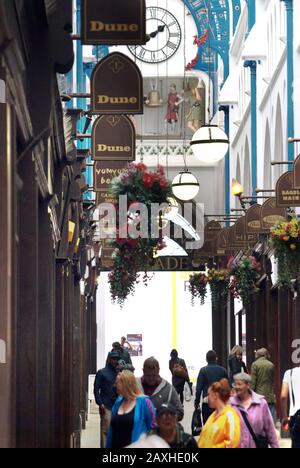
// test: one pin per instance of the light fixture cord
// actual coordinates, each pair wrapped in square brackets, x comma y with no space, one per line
[184,85]
[209,63]
[167,94]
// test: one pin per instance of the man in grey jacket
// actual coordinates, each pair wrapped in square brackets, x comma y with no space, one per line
[158,389]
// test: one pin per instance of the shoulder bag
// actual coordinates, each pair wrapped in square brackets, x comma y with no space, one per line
[260,441]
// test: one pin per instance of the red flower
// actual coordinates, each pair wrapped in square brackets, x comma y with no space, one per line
[148,180]
[141,167]
[163,183]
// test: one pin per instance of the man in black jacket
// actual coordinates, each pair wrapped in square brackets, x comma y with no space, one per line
[105,393]
[207,376]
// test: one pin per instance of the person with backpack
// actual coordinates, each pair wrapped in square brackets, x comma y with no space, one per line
[179,373]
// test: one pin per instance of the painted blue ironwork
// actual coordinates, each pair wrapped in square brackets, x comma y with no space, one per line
[214,16]
[253,67]
[290,77]
[251,5]
[225,109]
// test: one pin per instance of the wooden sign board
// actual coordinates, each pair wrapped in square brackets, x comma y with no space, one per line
[208,250]
[242,239]
[113,22]
[113,138]
[222,243]
[271,215]
[105,172]
[185,263]
[253,220]
[117,86]
[297,172]
[286,194]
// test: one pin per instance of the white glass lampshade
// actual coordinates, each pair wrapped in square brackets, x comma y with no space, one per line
[210,144]
[185,186]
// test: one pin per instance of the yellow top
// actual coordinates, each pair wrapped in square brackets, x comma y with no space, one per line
[222,431]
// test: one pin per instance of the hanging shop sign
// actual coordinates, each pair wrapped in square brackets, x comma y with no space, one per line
[117,86]
[253,220]
[113,138]
[222,243]
[297,172]
[271,214]
[242,239]
[231,244]
[105,172]
[113,22]
[286,194]
[208,250]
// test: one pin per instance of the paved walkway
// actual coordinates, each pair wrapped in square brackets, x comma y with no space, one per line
[91,436]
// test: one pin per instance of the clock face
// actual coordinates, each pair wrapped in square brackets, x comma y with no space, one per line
[163,35]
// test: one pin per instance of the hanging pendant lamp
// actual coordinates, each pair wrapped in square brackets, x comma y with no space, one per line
[210,144]
[185,186]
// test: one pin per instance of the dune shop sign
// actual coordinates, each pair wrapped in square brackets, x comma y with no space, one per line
[113,138]
[113,22]
[116,86]
[271,214]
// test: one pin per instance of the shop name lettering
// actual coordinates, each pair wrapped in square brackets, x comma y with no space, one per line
[108,174]
[113,149]
[116,100]
[99,26]
[290,195]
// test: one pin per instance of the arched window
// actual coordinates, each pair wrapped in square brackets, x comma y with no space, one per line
[238,178]
[267,159]
[278,143]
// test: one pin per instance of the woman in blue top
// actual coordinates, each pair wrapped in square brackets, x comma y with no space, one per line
[133,414]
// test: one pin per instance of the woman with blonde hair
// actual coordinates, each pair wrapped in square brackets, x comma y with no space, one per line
[236,363]
[133,414]
[223,428]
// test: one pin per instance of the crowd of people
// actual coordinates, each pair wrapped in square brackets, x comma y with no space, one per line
[237,406]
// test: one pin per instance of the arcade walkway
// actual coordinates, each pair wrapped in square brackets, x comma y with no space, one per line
[91,436]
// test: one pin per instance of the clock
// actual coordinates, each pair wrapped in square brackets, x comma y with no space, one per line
[163,37]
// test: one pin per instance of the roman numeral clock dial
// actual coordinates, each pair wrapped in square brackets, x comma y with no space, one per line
[163,37]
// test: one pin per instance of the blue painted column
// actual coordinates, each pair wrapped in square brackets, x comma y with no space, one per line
[290,75]
[251,4]
[225,109]
[253,66]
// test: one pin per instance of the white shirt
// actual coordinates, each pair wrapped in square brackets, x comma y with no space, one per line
[296,387]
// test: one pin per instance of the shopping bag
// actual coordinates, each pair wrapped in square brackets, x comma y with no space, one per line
[196,422]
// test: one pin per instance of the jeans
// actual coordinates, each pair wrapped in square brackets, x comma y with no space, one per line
[295,434]
[104,427]
[273,411]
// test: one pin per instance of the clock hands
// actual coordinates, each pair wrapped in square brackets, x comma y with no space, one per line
[155,33]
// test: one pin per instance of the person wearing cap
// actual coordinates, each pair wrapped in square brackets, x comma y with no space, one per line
[169,429]
[105,394]
[263,378]
[257,425]
[124,354]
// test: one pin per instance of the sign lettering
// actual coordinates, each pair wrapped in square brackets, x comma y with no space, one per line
[124,24]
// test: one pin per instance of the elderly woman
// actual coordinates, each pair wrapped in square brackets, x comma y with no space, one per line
[133,414]
[257,426]
[222,429]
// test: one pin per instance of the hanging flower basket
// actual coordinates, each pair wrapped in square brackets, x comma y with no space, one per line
[244,277]
[198,287]
[286,243]
[133,255]
[219,283]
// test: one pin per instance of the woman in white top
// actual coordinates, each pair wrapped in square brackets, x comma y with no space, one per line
[291,389]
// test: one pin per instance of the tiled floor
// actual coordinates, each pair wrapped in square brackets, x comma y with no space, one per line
[91,436]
